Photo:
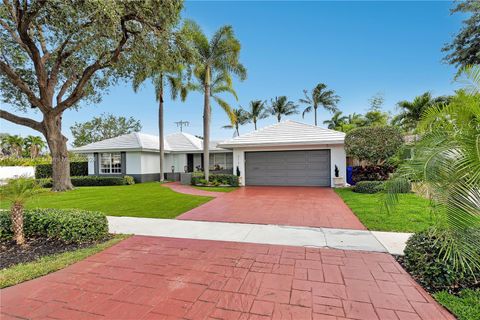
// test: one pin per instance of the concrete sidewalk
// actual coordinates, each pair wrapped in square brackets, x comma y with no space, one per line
[343,239]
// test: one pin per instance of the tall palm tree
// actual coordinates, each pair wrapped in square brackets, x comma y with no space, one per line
[239,118]
[319,96]
[34,144]
[257,111]
[336,122]
[280,106]
[15,143]
[217,60]
[411,111]
[447,164]
[18,192]
[164,64]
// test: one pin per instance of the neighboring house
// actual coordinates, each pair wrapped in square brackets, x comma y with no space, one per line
[288,153]
[137,155]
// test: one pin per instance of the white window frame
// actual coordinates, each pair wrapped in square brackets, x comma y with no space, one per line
[110,156]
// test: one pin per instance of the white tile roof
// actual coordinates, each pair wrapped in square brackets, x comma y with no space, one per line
[137,141]
[286,133]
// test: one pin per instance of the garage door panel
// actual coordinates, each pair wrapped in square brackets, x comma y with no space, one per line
[283,168]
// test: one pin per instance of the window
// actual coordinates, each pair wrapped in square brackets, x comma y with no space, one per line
[110,163]
[221,161]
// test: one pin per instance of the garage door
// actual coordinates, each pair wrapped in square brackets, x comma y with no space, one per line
[288,168]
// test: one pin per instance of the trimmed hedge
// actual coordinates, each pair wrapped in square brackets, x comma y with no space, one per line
[92,181]
[216,179]
[369,187]
[424,261]
[68,225]
[372,173]
[43,171]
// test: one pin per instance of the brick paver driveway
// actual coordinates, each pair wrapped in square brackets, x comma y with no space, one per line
[294,206]
[166,278]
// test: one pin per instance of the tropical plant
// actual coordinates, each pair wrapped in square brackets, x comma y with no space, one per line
[411,112]
[15,145]
[319,96]
[217,60]
[376,118]
[257,111]
[34,145]
[280,106]
[336,122]
[353,121]
[239,118]
[446,163]
[18,192]
[56,54]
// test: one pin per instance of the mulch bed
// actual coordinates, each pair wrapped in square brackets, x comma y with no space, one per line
[35,248]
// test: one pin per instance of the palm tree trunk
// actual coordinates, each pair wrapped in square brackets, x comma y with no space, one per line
[17,223]
[279,118]
[206,125]
[161,142]
[315,110]
[255,124]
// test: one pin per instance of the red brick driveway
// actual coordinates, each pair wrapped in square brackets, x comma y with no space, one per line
[294,206]
[166,278]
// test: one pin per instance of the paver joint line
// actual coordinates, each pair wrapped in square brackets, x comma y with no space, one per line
[171,278]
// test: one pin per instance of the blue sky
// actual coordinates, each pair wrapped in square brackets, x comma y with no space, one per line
[357,48]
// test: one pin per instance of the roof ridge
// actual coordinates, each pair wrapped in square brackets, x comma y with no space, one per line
[189,138]
[137,136]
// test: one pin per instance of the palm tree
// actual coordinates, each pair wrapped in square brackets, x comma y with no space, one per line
[320,97]
[15,144]
[411,112]
[164,66]
[446,163]
[217,60]
[34,144]
[239,118]
[257,111]
[18,192]
[336,122]
[280,106]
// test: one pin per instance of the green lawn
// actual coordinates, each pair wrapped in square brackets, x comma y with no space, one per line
[47,264]
[217,189]
[148,200]
[466,306]
[411,214]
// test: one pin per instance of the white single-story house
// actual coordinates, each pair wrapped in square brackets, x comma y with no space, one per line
[288,153]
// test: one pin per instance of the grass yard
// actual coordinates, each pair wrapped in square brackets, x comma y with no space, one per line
[217,189]
[466,306]
[412,213]
[147,200]
[47,264]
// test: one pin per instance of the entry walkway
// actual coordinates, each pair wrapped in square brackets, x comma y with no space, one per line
[265,234]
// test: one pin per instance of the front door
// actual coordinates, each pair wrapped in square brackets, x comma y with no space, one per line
[189,162]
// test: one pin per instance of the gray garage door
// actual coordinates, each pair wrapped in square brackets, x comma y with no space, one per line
[288,168]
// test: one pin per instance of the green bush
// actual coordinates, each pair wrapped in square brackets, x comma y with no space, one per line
[424,261]
[398,185]
[91,181]
[76,169]
[221,179]
[23,162]
[68,225]
[368,187]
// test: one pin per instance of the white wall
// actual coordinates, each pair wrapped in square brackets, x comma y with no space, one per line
[16,172]
[178,160]
[337,157]
[91,164]
[150,162]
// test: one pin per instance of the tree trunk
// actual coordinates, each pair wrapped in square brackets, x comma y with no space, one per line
[57,143]
[206,126]
[161,138]
[16,213]
[255,124]
[315,111]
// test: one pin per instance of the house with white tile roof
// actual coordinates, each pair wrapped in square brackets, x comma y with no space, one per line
[288,153]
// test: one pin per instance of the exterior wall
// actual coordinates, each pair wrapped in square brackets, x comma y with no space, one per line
[178,160]
[91,164]
[337,157]
[134,163]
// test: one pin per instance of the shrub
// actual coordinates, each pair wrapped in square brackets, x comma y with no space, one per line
[373,144]
[222,179]
[398,185]
[76,169]
[372,173]
[68,225]
[92,181]
[24,162]
[424,261]
[369,187]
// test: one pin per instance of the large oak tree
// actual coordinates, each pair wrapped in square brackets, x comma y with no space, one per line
[56,53]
